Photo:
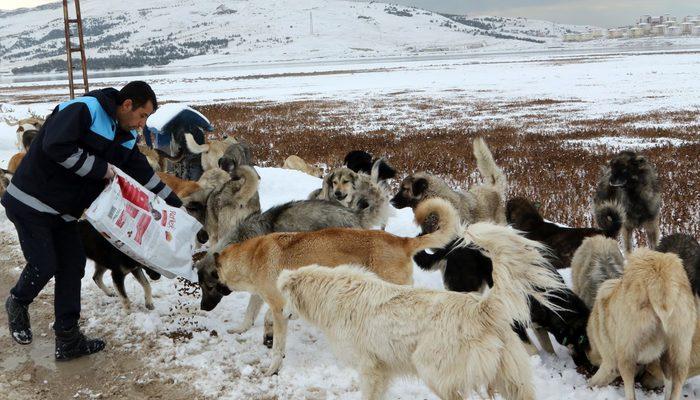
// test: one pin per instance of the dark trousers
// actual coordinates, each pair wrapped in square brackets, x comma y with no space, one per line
[52,248]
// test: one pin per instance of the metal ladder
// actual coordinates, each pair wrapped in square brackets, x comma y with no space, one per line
[70,49]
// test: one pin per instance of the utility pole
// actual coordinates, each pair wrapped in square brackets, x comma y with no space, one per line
[311,23]
[70,49]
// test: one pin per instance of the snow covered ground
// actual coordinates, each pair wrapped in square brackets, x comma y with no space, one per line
[578,87]
[192,346]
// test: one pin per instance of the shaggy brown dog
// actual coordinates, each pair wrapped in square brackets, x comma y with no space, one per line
[523,215]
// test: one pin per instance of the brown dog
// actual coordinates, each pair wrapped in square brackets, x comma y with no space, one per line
[644,316]
[14,162]
[255,264]
[181,187]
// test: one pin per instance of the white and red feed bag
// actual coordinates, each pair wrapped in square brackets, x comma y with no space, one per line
[144,227]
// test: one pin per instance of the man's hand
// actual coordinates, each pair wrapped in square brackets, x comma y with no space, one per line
[110,172]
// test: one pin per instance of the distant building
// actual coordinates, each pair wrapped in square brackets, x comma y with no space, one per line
[673,30]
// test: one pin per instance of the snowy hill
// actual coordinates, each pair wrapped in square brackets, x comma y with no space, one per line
[133,33]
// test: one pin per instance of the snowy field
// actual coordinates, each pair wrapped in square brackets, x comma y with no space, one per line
[192,346]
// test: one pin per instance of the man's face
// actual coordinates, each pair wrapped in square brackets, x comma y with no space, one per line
[129,118]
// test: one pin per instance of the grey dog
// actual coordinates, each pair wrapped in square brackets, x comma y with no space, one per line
[629,184]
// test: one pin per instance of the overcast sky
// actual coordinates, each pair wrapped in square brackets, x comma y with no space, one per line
[605,13]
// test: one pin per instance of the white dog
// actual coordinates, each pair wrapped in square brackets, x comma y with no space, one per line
[457,343]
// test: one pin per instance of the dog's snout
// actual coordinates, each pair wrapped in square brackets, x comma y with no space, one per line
[340,195]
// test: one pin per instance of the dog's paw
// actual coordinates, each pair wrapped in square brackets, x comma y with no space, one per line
[275,365]
[150,306]
[238,330]
[268,340]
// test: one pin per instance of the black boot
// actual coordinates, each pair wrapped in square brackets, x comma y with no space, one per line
[72,344]
[18,318]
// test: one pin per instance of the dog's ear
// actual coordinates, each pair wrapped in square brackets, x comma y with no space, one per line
[640,160]
[419,186]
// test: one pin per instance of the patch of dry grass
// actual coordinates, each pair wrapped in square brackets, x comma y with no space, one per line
[539,165]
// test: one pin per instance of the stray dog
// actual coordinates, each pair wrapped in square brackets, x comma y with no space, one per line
[630,183]
[297,163]
[236,155]
[27,129]
[181,187]
[211,152]
[456,343]
[355,190]
[466,269]
[108,257]
[361,161]
[688,249]
[14,162]
[4,181]
[196,202]
[156,158]
[255,264]
[653,377]
[562,241]
[644,316]
[230,203]
[481,203]
[595,261]
[295,216]
[463,269]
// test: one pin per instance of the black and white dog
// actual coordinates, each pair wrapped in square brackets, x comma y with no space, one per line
[108,257]
[466,269]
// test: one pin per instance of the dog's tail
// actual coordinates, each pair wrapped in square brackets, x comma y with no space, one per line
[252,182]
[520,270]
[448,224]
[663,288]
[195,147]
[488,168]
[609,216]
[382,170]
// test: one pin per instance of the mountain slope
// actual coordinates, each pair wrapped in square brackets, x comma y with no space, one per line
[127,34]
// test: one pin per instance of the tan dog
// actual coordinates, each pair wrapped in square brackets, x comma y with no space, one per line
[211,152]
[181,187]
[255,264]
[484,202]
[456,343]
[297,163]
[14,162]
[644,316]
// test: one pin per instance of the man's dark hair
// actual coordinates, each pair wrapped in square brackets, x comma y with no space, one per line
[140,93]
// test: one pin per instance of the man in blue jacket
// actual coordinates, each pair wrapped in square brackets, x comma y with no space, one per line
[64,171]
